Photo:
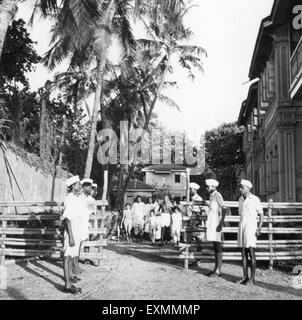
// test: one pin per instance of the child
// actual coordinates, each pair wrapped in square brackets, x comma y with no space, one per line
[152,226]
[127,221]
[176,224]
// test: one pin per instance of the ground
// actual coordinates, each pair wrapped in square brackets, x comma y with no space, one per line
[142,271]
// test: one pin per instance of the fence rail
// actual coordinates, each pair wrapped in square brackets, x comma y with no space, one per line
[19,240]
[281,235]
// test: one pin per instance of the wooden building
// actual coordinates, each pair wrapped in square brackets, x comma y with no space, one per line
[271,116]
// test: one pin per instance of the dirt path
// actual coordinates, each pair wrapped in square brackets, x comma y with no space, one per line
[143,272]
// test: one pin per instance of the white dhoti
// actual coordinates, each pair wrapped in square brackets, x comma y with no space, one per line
[68,250]
[247,234]
[212,224]
[214,218]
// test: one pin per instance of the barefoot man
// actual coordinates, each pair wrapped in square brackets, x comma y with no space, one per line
[249,209]
[215,223]
[72,234]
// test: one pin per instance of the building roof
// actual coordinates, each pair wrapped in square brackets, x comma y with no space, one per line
[247,105]
[139,185]
[164,168]
[280,15]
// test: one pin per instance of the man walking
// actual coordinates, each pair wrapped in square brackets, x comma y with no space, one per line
[249,209]
[214,224]
[72,233]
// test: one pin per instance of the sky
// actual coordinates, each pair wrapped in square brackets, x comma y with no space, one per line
[227,30]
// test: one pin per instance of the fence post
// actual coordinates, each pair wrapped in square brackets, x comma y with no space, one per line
[3,236]
[270,234]
[186,264]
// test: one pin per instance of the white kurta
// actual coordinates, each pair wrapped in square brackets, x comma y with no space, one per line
[249,209]
[73,210]
[176,223]
[87,209]
[158,227]
[138,212]
[148,208]
[214,217]
[193,207]
[165,219]
[127,220]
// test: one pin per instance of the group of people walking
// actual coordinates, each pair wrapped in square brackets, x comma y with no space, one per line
[160,220]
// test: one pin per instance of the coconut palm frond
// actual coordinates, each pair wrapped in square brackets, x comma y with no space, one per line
[170,84]
[169,101]
[189,49]
[57,53]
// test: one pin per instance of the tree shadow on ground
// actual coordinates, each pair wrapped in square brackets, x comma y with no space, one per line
[155,256]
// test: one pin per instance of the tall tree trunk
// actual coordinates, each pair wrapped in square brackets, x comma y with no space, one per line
[101,44]
[8,9]
[94,118]
[159,89]
[75,101]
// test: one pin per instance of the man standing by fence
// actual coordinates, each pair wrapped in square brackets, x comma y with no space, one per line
[249,209]
[73,232]
[214,224]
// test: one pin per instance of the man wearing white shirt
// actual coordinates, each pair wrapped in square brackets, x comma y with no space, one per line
[249,209]
[72,233]
[84,222]
[138,213]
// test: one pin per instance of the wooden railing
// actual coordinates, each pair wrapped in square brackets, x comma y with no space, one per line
[296,68]
[19,237]
[281,235]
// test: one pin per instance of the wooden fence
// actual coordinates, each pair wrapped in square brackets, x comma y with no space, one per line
[281,235]
[38,234]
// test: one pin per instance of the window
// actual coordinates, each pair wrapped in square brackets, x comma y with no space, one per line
[177,178]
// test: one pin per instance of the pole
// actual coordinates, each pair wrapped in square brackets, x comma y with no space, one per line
[270,234]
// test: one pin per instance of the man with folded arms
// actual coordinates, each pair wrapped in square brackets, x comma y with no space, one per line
[249,209]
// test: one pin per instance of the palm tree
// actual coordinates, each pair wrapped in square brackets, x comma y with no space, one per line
[168,34]
[8,8]
[76,88]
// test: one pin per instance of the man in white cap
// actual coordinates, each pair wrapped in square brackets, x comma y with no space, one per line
[87,203]
[194,187]
[194,209]
[72,233]
[249,209]
[214,224]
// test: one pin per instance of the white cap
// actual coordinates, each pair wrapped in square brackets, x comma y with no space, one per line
[69,182]
[194,186]
[94,185]
[246,183]
[212,182]
[89,181]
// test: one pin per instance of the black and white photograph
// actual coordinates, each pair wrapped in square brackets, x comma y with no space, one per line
[150,150]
